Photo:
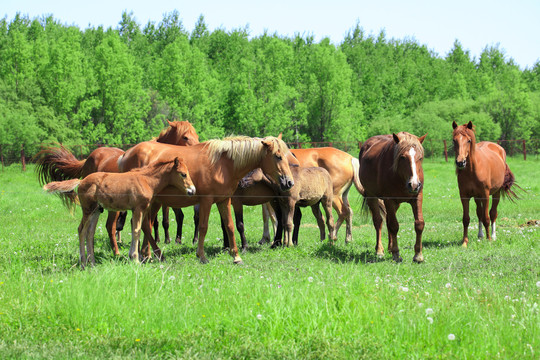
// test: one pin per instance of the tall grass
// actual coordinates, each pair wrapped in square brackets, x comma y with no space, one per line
[311,301]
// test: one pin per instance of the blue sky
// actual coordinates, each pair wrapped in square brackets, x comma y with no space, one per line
[514,26]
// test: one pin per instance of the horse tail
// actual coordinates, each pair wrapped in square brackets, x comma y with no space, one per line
[57,164]
[509,182]
[362,191]
[65,190]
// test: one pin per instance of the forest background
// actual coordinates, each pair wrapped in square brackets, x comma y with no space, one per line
[59,83]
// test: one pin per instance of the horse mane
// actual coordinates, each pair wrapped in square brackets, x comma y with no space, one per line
[406,141]
[242,150]
[151,167]
[175,131]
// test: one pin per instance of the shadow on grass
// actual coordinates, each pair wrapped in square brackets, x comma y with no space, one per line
[340,254]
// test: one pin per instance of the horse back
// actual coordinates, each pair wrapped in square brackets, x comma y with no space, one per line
[336,162]
[311,184]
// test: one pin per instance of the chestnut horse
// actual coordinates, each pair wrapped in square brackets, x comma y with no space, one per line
[133,191]
[58,164]
[481,171]
[216,167]
[391,170]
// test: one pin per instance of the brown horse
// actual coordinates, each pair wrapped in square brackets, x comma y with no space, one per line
[134,190]
[481,171]
[391,170]
[58,164]
[216,167]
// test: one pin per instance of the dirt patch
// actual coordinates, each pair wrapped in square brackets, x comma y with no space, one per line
[531,223]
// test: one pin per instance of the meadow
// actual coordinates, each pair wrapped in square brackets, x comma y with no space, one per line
[310,302]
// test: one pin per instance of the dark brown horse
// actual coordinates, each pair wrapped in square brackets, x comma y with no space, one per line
[481,171]
[391,170]
[134,190]
[58,164]
[216,167]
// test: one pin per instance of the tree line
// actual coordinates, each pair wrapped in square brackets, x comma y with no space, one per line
[60,83]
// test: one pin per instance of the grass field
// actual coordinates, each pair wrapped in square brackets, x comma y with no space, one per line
[314,301]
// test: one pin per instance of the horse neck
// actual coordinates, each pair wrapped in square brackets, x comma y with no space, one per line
[160,179]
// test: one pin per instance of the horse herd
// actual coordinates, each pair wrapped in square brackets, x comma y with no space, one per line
[175,170]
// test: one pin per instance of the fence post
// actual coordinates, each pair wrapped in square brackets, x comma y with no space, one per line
[524,150]
[445,151]
[23,160]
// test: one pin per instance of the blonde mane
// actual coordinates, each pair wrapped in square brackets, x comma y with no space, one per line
[406,141]
[243,150]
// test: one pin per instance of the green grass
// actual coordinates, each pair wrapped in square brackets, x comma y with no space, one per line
[310,302]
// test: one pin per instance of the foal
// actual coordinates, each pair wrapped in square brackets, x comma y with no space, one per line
[481,171]
[134,190]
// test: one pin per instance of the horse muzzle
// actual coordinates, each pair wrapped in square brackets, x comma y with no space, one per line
[461,164]
[191,190]
[285,183]
[414,188]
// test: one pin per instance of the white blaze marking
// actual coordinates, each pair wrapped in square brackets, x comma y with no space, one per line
[414,179]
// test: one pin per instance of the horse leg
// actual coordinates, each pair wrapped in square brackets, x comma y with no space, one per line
[288,222]
[147,231]
[297,218]
[316,210]
[239,218]
[266,215]
[418,228]
[92,221]
[225,235]
[224,208]
[466,220]
[493,213]
[373,204]
[179,216]
[111,229]
[203,215]
[327,205]
[136,220]
[482,210]
[83,229]
[120,222]
[196,220]
[393,228]
[165,224]
[337,203]
[278,235]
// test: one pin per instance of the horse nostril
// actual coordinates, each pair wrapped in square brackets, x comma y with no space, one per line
[290,183]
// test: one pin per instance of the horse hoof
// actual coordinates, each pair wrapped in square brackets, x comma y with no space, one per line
[464,245]
[167,240]
[380,255]
[397,258]
[418,258]
[204,260]
[238,261]
[178,240]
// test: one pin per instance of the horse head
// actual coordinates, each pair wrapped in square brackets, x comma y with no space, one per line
[179,133]
[183,180]
[275,163]
[464,141]
[408,157]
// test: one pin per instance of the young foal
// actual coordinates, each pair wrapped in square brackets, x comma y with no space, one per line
[391,170]
[133,191]
[481,171]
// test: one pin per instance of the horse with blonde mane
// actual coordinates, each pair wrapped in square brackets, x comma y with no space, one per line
[482,172]
[391,170]
[134,190]
[216,167]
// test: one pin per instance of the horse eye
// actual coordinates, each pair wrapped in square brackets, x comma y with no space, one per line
[184,175]
[186,138]
[279,157]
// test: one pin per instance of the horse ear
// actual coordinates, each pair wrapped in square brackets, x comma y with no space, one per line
[470,125]
[454,124]
[268,144]
[176,161]
[170,123]
[396,138]
[422,138]
[279,136]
